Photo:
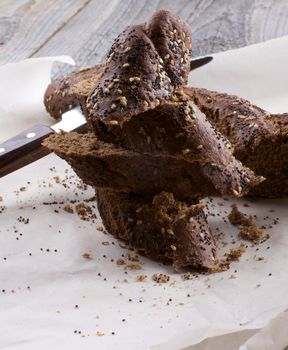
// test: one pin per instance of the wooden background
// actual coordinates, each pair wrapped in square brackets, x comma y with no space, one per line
[85,29]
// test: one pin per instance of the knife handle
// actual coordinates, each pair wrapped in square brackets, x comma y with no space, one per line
[23,149]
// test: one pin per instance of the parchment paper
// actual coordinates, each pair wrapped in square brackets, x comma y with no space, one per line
[49,292]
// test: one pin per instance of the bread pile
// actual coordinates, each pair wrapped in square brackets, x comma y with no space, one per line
[156,146]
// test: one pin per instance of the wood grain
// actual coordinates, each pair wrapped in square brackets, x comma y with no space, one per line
[85,29]
[26,25]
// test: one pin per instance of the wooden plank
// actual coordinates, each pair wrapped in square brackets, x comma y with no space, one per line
[88,36]
[220,25]
[85,29]
[25,25]
[217,25]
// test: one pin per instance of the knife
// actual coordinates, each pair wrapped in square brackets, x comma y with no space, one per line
[26,147]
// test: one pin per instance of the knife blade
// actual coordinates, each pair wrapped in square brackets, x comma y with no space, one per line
[26,147]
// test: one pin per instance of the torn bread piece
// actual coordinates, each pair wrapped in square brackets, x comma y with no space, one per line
[161,227]
[260,139]
[70,91]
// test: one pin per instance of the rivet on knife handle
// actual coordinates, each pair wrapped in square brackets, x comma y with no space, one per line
[23,149]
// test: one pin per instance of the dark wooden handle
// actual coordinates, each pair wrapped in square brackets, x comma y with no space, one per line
[23,149]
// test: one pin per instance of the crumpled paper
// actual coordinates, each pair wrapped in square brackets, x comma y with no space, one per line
[54,297]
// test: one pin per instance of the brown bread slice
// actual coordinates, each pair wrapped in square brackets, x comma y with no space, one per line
[162,228]
[132,82]
[198,163]
[135,78]
[101,164]
[70,91]
[179,129]
[172,39]
[260,139]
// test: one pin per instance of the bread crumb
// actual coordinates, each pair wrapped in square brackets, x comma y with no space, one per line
[236,253]
[87,256]
[100,334]
[248,230]
[68,209]
[120,262]
[260,258]
[134,266]
[160,278]
[237,218]
[141,278]
[57,179]
[84,211]
[252,233]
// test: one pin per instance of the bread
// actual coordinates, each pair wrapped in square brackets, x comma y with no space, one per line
[172,39]
[152,153]
[161,227]
[260,139]
[148,156]
[70,91]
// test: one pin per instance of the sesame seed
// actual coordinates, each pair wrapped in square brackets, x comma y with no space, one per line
[148,139]
[173,247]
[200,147]
[185,151]
[167,56]
[123,101]
[186,110]
[113,122]
[180,134]
[157,102]
[131,79]
[110,86]
[125,65]
[162,230]
[235,193]
[127,49]
[139,222]
[170,231]
[113,107]
[110,58]
[146,104]
[116,80]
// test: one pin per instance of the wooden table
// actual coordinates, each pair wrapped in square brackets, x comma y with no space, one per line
[85,29]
